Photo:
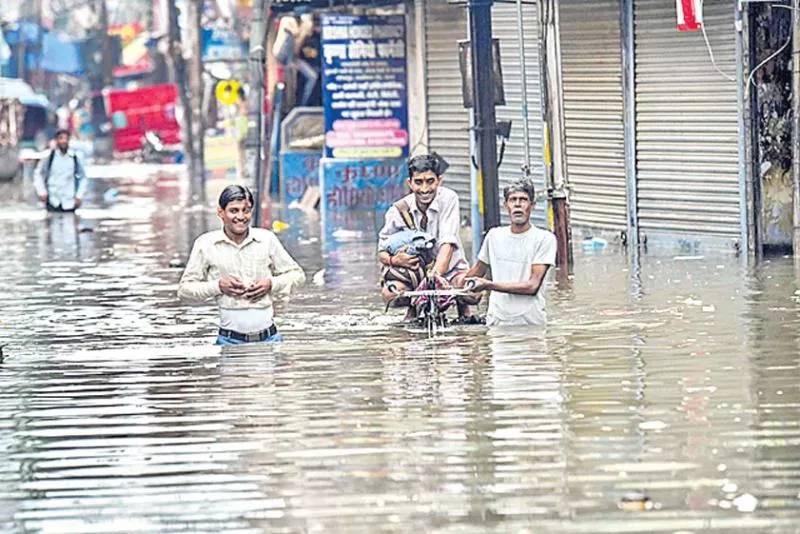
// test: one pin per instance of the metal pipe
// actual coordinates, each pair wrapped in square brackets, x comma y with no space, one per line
[526,164]
[554,140]
[629,124]
[744,234]
[796,132]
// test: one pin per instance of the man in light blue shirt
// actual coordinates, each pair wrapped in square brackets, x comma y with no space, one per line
[59,179]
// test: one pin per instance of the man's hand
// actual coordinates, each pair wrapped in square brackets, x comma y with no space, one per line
[78,202]
[43,197]
[232,286]
[476,284]
[408,261]
[259,289]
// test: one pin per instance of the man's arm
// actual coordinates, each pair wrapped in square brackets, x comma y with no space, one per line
[529,287]
[38,179]
[393,223]
[449,228]
[80,178]
[193,286]
[478,270]
[289,273]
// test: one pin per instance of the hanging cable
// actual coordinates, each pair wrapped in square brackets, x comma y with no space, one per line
[773,56]
[708,45]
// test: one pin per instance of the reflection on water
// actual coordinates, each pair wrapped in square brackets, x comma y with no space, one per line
[118,415]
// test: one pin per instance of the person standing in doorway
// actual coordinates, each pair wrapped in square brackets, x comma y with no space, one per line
[241,269]
[59,179]
[519,256]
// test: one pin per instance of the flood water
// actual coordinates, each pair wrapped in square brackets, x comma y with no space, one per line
[117,414]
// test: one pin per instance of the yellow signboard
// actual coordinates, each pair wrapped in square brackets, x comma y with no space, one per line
[227,92]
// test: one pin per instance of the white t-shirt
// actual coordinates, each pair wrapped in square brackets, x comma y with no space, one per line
[510,257]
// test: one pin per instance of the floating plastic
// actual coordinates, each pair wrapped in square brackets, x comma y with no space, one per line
[111,195]
[594,243]
[279,226]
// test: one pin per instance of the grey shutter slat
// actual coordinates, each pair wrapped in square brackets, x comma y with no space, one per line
[686,122]
[448,120]
[593,108]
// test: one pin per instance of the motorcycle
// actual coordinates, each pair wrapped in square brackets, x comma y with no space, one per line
[154,150]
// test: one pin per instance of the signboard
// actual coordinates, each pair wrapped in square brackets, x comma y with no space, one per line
[690,15]
[135,58]
[299,171]
[222,44]
[221,157]
[227,92]
[355,191]
[364,86]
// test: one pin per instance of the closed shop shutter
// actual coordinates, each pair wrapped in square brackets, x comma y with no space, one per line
[448,120]
[593,108]
[504,28]
[686,122]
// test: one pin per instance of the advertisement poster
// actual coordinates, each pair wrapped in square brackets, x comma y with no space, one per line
[299,171]
[222,44]
[365,91]
[352,188]
[221,157]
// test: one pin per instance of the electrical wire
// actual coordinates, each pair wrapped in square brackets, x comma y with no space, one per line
[708,45]
[770,58]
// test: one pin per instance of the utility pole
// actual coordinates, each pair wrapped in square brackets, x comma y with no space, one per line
[197,180]
[254,144]
[483,84]
[107,67]
[553,120]
[178,67]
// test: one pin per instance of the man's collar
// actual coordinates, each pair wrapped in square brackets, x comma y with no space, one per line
[221,237]
[434,205]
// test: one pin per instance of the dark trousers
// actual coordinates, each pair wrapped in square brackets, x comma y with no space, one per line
[58,209]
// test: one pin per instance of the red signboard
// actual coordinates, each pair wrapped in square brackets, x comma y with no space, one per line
[140,110]
[690,15]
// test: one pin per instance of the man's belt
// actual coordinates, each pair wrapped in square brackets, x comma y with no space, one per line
[250,338]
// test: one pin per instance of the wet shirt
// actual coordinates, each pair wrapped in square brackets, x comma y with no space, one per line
[443,224]
[260,256]
[61,187]
[511,257]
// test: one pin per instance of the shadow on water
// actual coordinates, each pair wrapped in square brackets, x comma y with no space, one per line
[676,380]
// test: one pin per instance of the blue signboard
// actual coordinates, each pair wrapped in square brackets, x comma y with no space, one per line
[351,189]
[222,44]
[364,86]
[299,171]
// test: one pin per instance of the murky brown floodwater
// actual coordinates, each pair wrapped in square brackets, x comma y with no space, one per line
[117,414]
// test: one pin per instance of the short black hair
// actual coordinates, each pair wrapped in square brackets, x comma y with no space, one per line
[520,186]
[233,193]
[426,162]
[62,131]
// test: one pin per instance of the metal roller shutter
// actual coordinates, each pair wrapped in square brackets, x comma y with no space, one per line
[686,122]
[448,120]
[593,108]
[504,28]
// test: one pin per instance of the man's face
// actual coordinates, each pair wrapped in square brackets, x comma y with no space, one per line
[236,217]
[424,186]
[519,208]
[62,142]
